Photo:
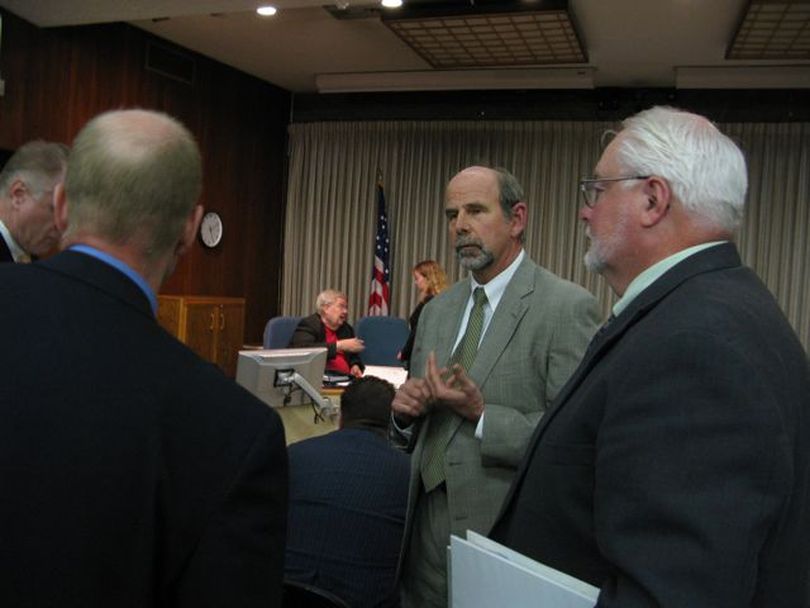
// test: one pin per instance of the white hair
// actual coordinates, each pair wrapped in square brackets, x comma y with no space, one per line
[705,169]
[327,297]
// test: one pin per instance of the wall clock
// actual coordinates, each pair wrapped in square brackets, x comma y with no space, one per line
[211,229]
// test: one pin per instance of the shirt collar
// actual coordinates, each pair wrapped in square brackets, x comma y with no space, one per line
[496,287]
[122,267]
[654,272]
[17,253]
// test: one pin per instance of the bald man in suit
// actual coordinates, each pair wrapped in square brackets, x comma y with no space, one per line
[491,352]
[135,473]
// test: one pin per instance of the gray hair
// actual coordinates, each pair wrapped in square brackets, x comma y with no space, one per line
[133,174]
[327,297]
[510,192]
[40,164]
[705,169]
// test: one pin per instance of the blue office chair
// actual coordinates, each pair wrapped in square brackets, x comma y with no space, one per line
[279,330]
[384,338]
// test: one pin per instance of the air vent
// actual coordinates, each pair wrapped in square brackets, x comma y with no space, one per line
[170,62]
[352,12]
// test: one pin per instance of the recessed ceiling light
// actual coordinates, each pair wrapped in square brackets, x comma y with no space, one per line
[391,3]
[266,11]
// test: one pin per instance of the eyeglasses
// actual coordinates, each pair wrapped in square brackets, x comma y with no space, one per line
[591,187]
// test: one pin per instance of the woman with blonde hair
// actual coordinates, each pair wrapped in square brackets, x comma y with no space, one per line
[430,280]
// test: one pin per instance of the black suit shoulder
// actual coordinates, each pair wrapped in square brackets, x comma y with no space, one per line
[138,453]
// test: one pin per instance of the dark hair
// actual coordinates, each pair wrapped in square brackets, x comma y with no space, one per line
[366,402]
[509,190]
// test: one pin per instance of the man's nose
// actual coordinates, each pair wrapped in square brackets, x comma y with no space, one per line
[461,224]
[585,213]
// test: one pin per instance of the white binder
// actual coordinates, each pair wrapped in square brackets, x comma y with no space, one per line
[485,574]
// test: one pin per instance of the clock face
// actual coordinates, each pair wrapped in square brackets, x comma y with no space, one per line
[211,229]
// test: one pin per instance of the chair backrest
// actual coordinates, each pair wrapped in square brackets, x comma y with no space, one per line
[304,595]
[279,330]
[384,338]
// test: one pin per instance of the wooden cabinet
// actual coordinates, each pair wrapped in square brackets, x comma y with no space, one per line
[213,327]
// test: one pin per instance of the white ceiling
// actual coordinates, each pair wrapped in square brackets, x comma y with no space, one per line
[630,43]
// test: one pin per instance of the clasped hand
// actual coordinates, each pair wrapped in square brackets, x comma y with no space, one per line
[451,388]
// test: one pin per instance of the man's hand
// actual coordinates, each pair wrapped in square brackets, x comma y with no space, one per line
[350,345]
[454,389]
[356,371]
[411,400]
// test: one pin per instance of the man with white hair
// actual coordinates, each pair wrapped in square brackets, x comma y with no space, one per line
[673,467]
[27,184]
[134,473]
[329,327]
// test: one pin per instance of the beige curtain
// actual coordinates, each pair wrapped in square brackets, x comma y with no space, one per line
[330,216]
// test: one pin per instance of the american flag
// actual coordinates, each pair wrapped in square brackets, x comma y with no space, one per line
[380,296]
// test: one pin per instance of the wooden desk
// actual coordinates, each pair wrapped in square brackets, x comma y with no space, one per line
[299,420]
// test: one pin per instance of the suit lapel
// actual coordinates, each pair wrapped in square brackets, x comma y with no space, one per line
[450,323]
[504,322]
[5,252]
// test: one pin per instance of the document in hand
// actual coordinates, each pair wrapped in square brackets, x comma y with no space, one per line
[484,573]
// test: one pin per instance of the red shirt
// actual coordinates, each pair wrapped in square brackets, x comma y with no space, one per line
[339,363]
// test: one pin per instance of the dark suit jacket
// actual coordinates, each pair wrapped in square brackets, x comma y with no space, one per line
[133,472]
[673,468]
[348,492]
[413,321]
[311,332]
[5,252]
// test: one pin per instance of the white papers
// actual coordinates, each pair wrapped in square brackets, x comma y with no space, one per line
[394,375]
[484,574]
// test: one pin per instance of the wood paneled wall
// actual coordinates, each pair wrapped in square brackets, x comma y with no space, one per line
[57,79]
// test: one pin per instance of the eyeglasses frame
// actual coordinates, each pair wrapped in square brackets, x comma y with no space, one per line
[585,186]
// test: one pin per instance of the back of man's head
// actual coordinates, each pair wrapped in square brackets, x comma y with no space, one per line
[40,164]
[133,177]
[705,168]
[366,403]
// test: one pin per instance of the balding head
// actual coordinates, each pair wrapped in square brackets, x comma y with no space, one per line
[133,178]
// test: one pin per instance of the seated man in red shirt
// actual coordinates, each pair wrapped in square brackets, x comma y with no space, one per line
[328,328]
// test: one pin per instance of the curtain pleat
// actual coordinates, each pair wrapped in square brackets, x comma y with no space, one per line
[331,204]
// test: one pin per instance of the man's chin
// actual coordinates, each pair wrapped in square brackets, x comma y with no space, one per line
[593,262]
[478,262]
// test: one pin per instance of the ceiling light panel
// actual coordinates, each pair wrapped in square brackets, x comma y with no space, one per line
[491,40]
[773,29]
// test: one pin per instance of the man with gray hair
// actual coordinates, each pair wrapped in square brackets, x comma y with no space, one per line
[27,184]
[329,327]
[490,354]
[673,468]
[134,472]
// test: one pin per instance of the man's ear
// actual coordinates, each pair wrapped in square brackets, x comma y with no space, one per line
[16,193]
[518,219]
[60,207]
[190,230]
[658,197]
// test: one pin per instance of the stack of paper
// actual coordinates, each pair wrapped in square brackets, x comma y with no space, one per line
[484,574]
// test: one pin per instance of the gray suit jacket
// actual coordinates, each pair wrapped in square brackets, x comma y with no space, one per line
[533,343]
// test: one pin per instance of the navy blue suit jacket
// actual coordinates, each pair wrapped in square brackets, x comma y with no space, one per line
[348,493]
[133,472]
[673,468]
